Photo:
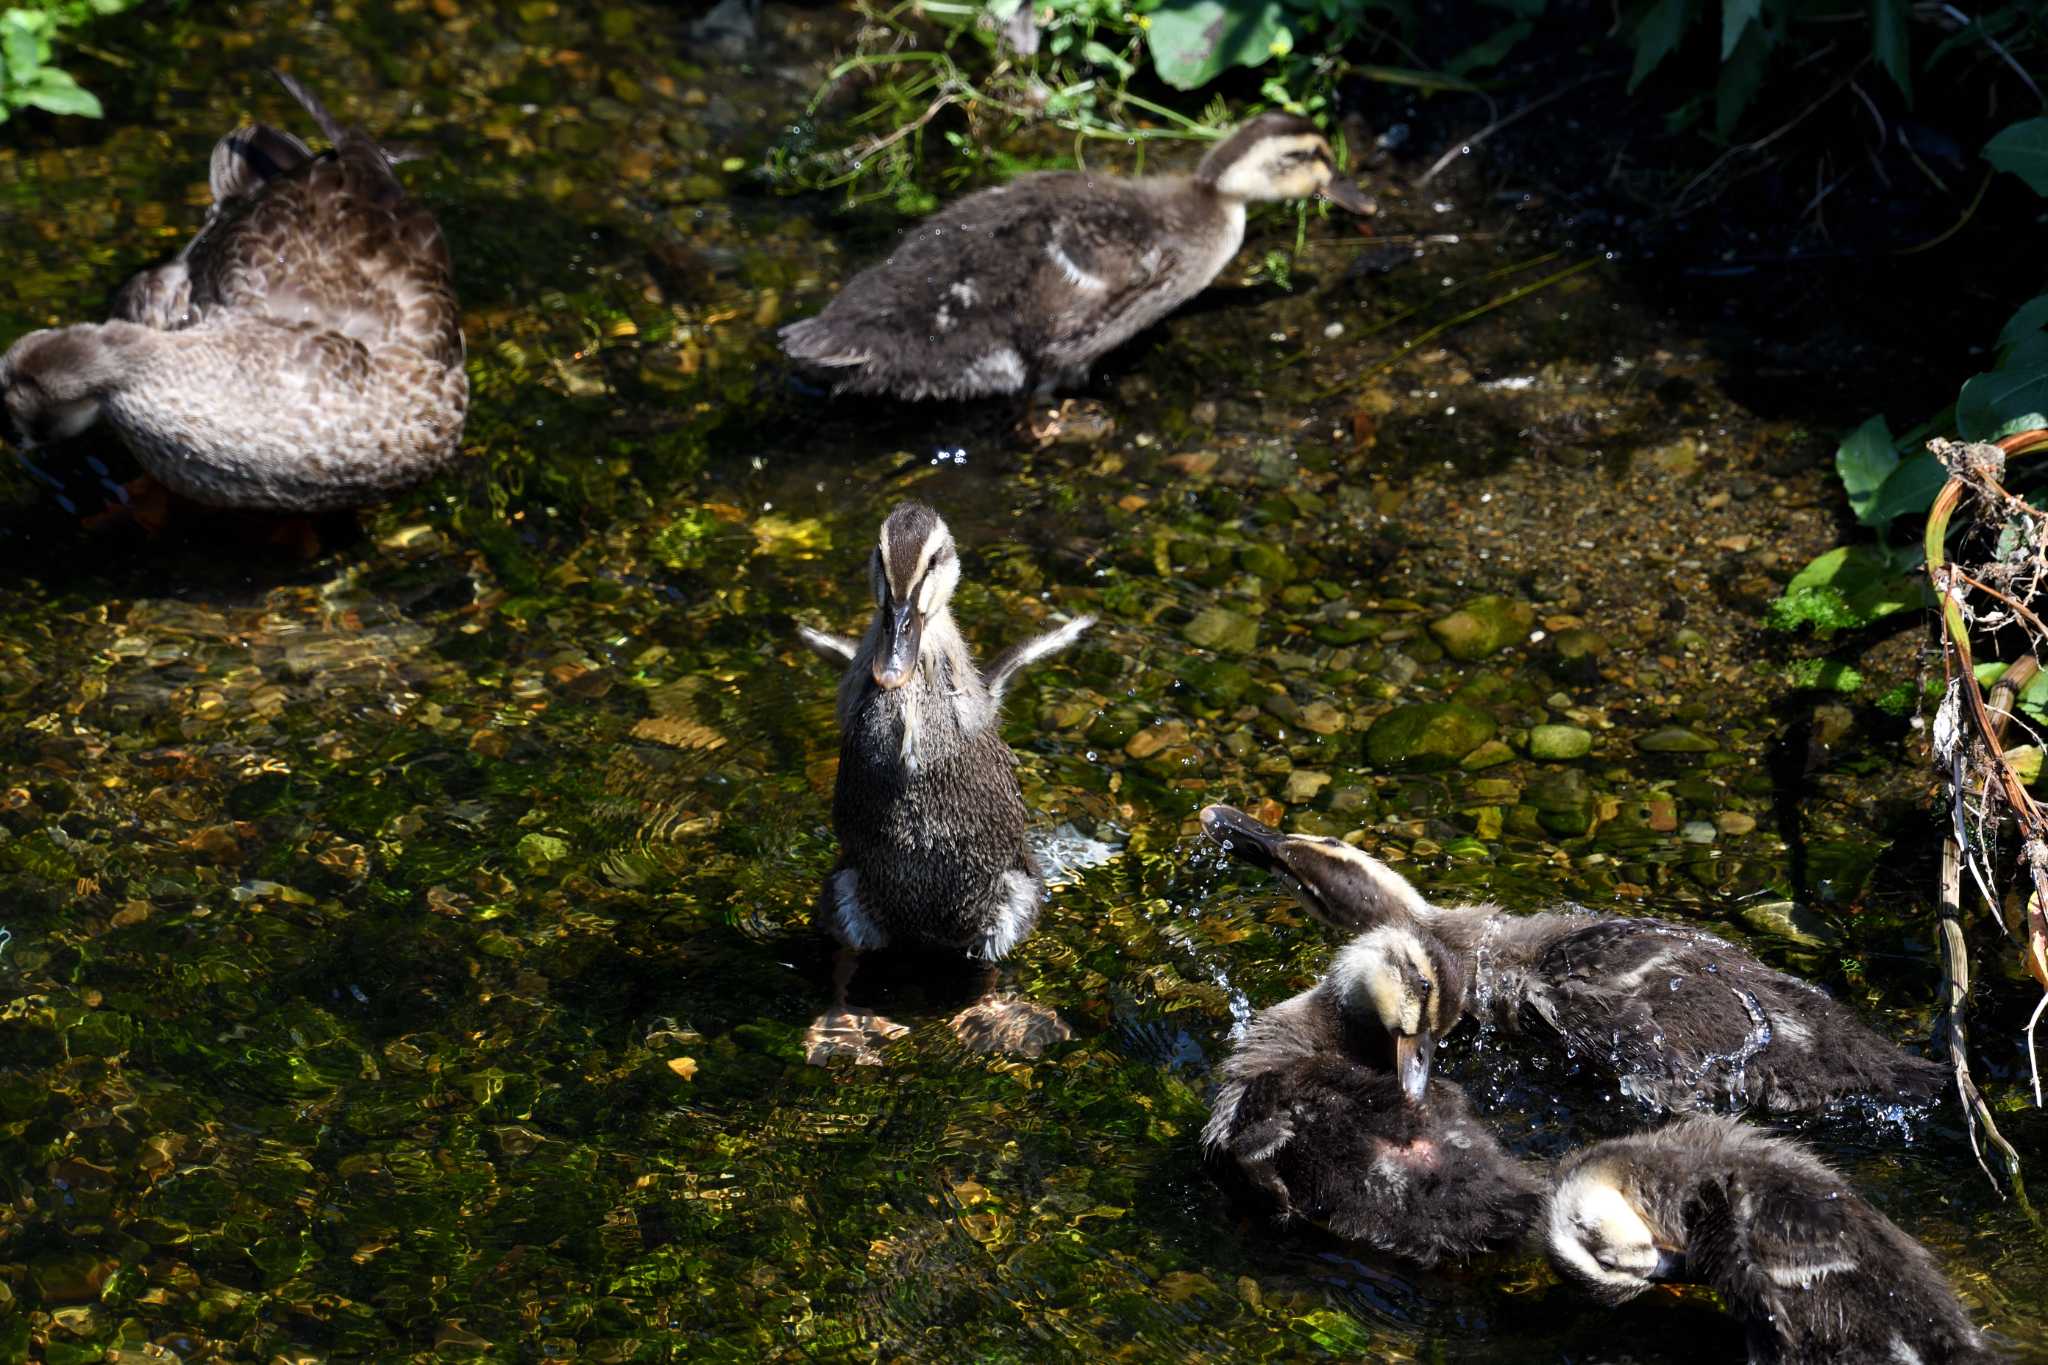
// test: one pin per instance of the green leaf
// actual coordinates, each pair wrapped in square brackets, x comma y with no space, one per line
[1656,34]
[1737,15]
[1194,41]
[1908,491]
[1741,74]
[2023,150]
[2032,317]
[1864,460]
[25,43]
[1844,589]
[59,93]
[2016,388]
[1888,40]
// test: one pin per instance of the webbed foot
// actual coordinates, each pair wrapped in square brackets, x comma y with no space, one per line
[849,1035]
[999,1023]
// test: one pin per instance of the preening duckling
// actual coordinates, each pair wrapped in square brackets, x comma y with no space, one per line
[303,353]
[1818,1276]
[1022,287]
[929,817]
[1327,1107]
[1683,1019]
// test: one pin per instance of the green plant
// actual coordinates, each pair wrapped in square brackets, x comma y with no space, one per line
[1891,479]
[27,38]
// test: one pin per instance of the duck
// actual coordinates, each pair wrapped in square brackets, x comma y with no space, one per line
[302,354]
[1328,1110]
[930,820]
[1020,288]
[1684,1020]
[1817,1275]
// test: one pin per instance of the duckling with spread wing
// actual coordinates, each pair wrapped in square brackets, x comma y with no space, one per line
[1022,287]
[1683,1019]
[927,809]
[303,353]
[1327,1106]
[1818,1276]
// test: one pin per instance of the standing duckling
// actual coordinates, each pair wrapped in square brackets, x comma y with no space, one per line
[303,353]
[1818,1276]
[1683,1019]
[1020,288]
[927,809]
[1328,1107]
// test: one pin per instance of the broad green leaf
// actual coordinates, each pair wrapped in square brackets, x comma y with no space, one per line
[2032,317]
[1194,41]
[23,44]
[1656,33]
[1864,460]
[2022,149]
[59,93]
[1737,15]
[1889,42]
[1908,491]
[2026,421]
[2016,388]
[1844,589]
[1741,74]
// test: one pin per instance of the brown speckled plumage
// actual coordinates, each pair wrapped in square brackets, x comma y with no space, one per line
[1025,285]
[303,353]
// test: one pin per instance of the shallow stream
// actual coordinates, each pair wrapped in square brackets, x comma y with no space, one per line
[407,947]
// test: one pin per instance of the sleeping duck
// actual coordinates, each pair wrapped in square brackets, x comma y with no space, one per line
[926,806]
[1327,1106]
[1020,288]
[1683,1019]
[1818,1276]
[303,353]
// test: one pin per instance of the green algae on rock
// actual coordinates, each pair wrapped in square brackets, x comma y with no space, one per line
[1425,735]
[1483,626]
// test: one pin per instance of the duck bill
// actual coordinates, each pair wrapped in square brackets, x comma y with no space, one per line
[896,658]
[1412,1055]
[1346,195]
[1670,1264]
[1244,838]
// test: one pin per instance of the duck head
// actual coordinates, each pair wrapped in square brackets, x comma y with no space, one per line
[1398,986]
[1279,156]
[914,571]
[52,383]
[1599,1234]
[1341,886]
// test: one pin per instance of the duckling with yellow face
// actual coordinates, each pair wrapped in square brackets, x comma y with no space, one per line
[1327,1107]
[1818,1276]
[1020,288]
[1683,1019]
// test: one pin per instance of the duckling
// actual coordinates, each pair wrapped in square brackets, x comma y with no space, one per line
[1020,288]
[1684,1020]
[927,809]
[303,353]
[1818,1276]
[1328,1107]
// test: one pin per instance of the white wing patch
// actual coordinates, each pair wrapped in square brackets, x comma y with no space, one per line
[1803,1275]
[857,929]
[1075,275]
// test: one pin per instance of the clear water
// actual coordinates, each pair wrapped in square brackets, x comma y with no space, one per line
[405,949]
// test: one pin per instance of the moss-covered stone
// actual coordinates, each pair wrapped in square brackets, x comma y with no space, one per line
[1426,735]
[1559,743]
[1483,626]
[1675,739]
[1224,629]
